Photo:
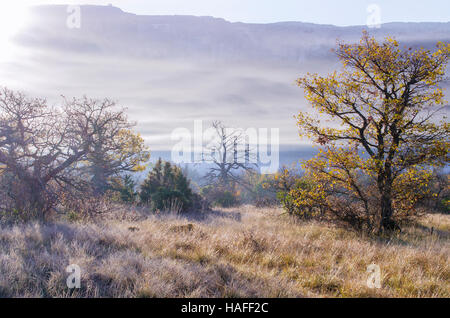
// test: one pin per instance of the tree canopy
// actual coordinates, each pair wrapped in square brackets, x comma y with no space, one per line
[376,121]
[45,150]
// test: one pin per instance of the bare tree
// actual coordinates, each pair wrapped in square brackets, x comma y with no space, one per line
[229,154]
[42,149]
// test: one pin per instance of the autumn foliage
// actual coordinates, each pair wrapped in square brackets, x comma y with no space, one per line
[377,125]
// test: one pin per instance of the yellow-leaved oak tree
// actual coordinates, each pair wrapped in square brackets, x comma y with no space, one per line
[380,134]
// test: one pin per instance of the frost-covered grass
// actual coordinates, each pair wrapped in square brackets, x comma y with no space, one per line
[240,252]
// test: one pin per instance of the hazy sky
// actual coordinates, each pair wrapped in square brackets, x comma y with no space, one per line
[165,94]
[341,12]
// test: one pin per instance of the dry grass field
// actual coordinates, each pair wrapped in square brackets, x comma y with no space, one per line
[240,252]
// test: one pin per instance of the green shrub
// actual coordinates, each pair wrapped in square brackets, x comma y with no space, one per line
[167,188]
[444,205]
[125,187]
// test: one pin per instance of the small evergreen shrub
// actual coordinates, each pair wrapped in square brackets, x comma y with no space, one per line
[167,189]
[125,189]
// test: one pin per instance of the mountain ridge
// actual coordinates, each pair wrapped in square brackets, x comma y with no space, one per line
[110,30]
[172,70]
[118,9]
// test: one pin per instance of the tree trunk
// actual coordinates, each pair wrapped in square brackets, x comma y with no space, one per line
[386,212]
[387,224]
[99,180]
[385,187]
[39,202]
[385,182]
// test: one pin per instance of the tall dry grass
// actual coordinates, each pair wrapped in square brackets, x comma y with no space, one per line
[242,252]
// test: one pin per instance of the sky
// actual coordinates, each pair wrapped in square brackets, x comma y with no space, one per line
[342,12]
[162,95]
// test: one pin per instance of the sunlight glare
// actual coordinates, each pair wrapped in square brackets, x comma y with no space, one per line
[13,17]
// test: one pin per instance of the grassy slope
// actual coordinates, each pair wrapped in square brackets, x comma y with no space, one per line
[238,252]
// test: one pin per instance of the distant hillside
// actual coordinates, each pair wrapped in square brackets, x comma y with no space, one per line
[171,70]
[109,30]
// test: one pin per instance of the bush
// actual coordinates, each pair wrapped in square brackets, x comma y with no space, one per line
[167,189]
[125,188]
[84,204]
[221,196]
[355,204]
[444,205]
[289,182]
[440,199]
[259,190]
[21,203]
[199,203]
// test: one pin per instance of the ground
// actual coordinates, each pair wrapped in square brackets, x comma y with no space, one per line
[239,252]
